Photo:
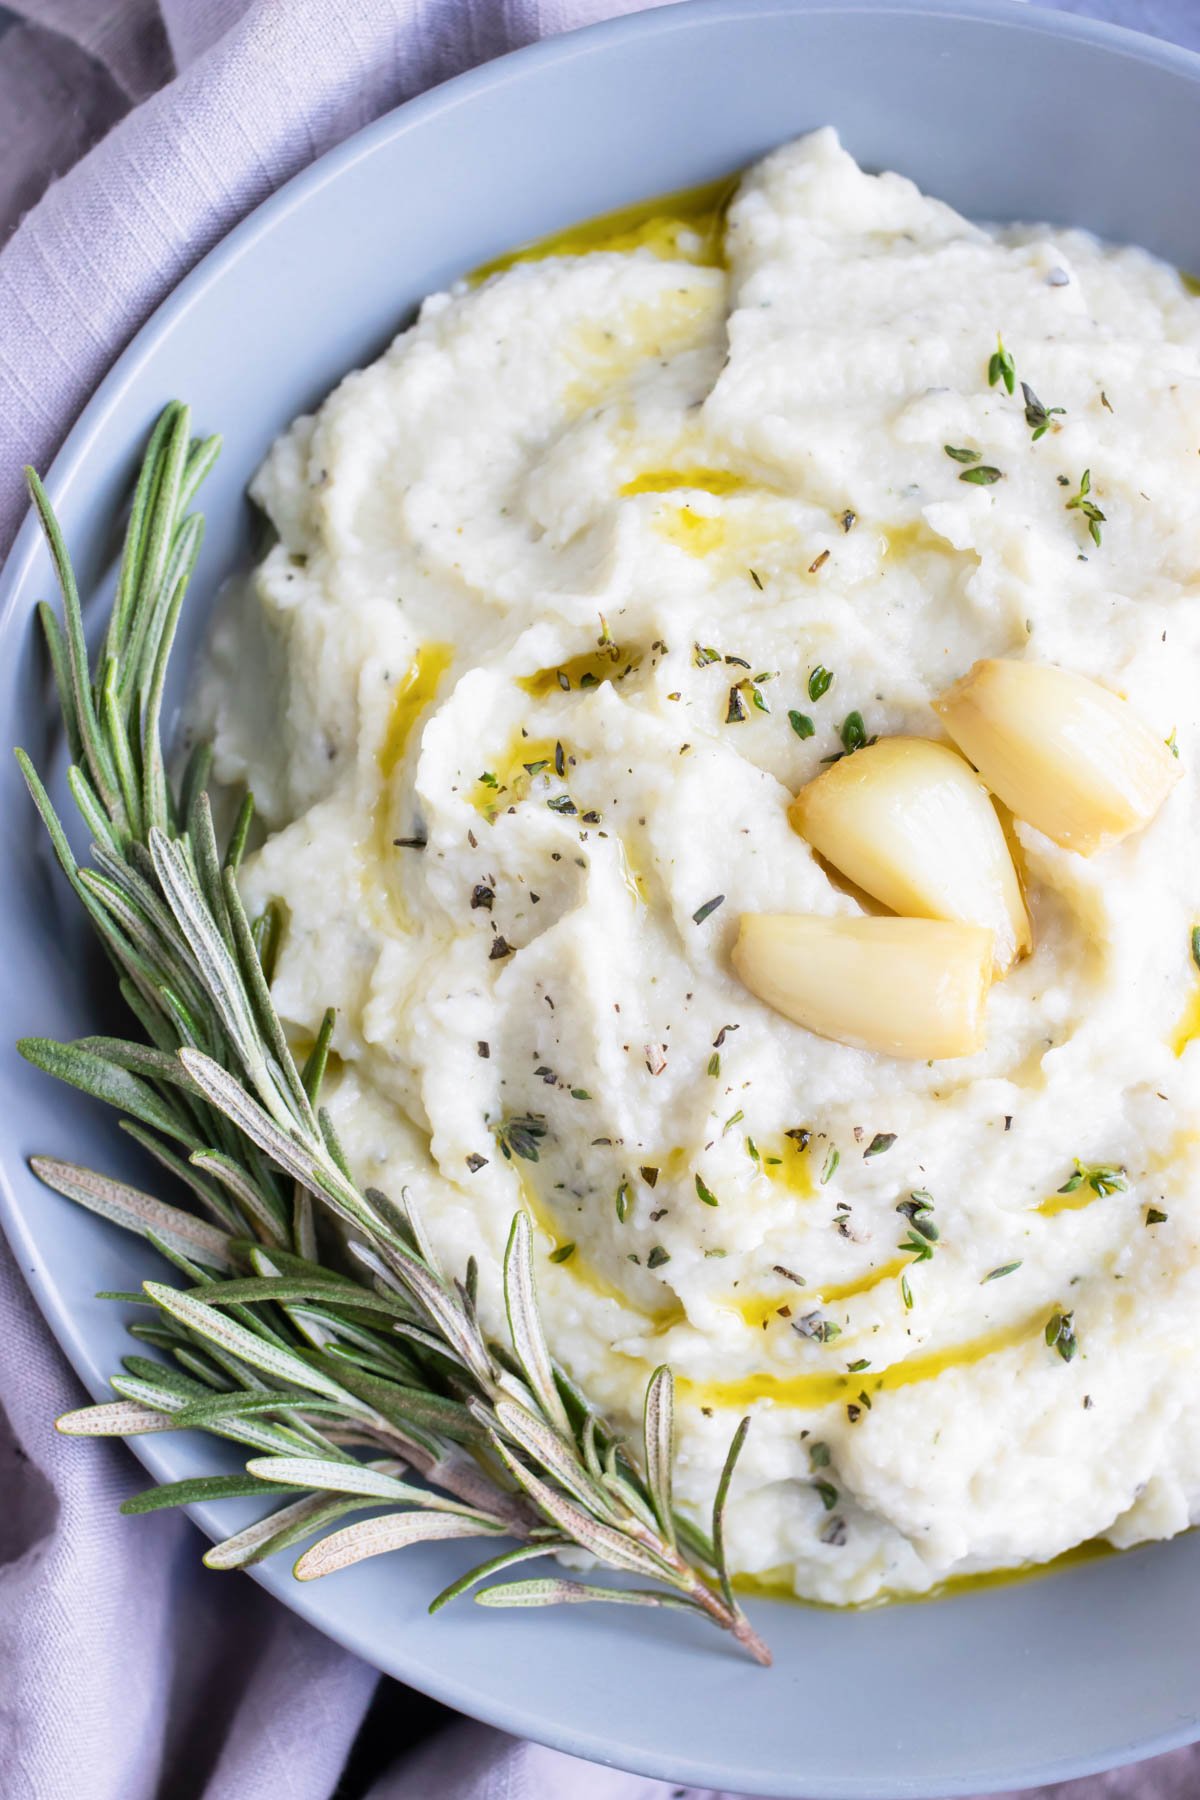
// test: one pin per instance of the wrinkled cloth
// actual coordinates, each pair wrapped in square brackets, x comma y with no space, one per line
[133,135]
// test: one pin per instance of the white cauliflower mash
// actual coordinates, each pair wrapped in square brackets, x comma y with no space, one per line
[574,589]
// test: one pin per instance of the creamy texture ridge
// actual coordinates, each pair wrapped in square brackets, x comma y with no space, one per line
[552,581]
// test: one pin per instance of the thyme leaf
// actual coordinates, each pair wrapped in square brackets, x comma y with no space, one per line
[1001,367]
[983,476]
[1039,418]
[1060,1334]
[521,1136]
[1099,1177]
[1079,502]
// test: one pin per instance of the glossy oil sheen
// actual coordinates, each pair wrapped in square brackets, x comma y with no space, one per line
[1006,112]
[688,225]
[776,1584]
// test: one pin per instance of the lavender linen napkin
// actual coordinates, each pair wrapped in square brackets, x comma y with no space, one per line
[126,1671]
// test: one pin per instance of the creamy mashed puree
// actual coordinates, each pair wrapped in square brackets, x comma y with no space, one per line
[552,581]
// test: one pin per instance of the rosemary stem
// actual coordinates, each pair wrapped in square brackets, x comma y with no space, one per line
[431,1389]
[729,1618]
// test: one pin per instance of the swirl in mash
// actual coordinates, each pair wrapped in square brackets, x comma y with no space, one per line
[551,577]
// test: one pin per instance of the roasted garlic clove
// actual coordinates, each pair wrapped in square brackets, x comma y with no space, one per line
[909,822]
[1062,752]
[902,987]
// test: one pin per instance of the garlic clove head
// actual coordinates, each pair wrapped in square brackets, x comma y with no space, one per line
[1063,753]
[911,824]
[911,988]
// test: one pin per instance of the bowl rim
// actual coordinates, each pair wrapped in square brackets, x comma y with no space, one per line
[70,465]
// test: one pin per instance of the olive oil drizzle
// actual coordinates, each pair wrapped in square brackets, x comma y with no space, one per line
[579,1269]
[1188,1027]
[774,1584]
[815,1390]
[688,226]
[415,689]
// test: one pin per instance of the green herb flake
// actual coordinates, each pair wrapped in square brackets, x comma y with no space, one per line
[984,476]
[906,1293]
[801,724]
[855,1368]
[819,1455]
[703,654]
[521,1137]
[705,1193]
[1039,418]
[923,1234]
[714,1064]
[736,712]
[1155,1217]
[657,1257]
[1001,367]
[563,1254]
[819,682]
[1099,1177]
[624,1201]
[816,1326]
[488,780]
[962,456]
[853,733]
[1060,1334]
[828,1493]
[999,1274]
[1195,940]
[919,1247]
[710,906]
[1080,502]
[881,1142]
[831,1162]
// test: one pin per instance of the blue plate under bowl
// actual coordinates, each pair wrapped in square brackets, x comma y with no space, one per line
[1005,112]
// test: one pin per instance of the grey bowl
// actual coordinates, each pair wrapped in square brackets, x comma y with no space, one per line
[1007,114]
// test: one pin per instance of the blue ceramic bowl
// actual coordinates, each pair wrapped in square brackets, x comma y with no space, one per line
[1006,113]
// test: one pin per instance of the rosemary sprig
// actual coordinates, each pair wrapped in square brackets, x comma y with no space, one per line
[316,1327]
